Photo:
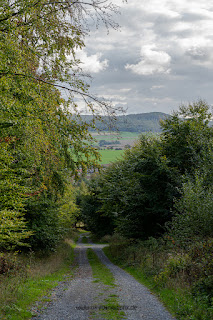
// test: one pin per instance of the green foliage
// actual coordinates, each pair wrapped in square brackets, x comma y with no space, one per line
[165,184]
[45,221]
[68,210]
[193,219]
[204,288]
[38,41]
[26,279]
[176,263]
[10,188]
[187,137]
[202,266]
[135,193]
[13,230]
[107,142]
[9,263]
[181,278]
[89,203]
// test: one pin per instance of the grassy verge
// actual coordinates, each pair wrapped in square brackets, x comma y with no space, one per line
[110,308]
[166,276]
[31,279]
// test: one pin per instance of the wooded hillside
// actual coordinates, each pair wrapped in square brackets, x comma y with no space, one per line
[140,122]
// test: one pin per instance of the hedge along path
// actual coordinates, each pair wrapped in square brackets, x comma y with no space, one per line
[91,296]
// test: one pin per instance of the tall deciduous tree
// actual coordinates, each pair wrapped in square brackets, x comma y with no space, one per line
[41,140]
[187,137]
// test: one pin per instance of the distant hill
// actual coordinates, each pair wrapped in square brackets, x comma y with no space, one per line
[140,122]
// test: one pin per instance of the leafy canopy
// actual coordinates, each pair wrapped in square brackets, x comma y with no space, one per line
[42,142]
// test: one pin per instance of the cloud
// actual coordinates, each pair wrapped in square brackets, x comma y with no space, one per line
[157,87]
[162,55]
[118,98]
[125,89]
[153,61]
[92,63]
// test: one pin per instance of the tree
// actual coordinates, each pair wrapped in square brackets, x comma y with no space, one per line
[39,41]
[190,138]
[138,192]
[193,218]
[90,204]
[42,139]
[13,229]
[187,137]
[135,194]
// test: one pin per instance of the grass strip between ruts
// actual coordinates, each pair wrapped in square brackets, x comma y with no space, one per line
[111,308]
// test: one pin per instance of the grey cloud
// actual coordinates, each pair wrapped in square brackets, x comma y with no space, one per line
[198,54]
[192,17]
[191,73]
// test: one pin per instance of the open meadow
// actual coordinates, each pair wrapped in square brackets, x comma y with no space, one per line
[112,145]
[108,156]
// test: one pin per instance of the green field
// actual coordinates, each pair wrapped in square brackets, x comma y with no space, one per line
[125,138]
[108,156]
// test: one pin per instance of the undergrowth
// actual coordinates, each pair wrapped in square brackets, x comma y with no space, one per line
[182,278]
[26,278]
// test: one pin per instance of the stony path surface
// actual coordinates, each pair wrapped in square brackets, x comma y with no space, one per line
[143,305]
[80,298]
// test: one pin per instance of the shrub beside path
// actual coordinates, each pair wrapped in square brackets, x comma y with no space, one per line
[82,297]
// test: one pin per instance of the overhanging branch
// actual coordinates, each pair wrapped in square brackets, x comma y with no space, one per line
[83,94]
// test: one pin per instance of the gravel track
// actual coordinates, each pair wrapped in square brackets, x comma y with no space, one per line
[143,305]
[80,298]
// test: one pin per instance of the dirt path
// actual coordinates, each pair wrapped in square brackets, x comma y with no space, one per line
[81,298]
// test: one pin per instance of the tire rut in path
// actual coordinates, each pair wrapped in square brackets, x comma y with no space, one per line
[65,301]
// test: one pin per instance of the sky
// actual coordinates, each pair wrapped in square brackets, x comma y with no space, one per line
[161,56]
